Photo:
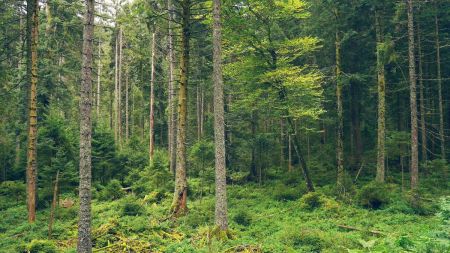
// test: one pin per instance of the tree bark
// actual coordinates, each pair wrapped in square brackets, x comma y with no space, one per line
[99,72]
[179,206]
[413,100]
[84,244]
[171,98]
[439,81]
[127,121]
[116,90]
[119,81]
[152,98]
[340,123]
[423,126]
[52,210]
[221,217]
[32,74]
[381,102]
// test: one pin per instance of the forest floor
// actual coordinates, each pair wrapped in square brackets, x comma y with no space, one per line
[268,218]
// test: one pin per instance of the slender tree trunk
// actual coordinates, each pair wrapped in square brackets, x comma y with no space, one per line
[119,81]
[152,98]
[439,81]
[423,126]
[340,123]
[99,74]
[116,90]
[221,218]
[381,102]
[32,73]
[84,224]
[253,125]
[413,100]
[52,210]
[356,124]
[127,125]
[179,206]
[171,98]
[290,153]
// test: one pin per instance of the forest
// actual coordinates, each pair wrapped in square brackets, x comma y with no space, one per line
[252,126]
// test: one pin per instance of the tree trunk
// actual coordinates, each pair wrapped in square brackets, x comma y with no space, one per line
[52,210]
[423,126]
[381,102]
[439,81]
[340,123]
[32,74]
[84,224]
[116,90]
[179,206]
[356,124]
[152,98]
[413,100]
[119,81]
[127,121]
[221,217]
[99,72]
[171,98]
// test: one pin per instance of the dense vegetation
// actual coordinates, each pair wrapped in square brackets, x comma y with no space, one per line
[224,126]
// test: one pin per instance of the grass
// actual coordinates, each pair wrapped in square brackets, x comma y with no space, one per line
[259,222]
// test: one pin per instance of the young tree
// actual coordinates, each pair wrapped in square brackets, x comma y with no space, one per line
[84,244]
[439,81]
[413,100]
[221,219]
[32,74]
[340,113]
[152,97]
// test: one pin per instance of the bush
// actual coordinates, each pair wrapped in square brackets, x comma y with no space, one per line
[309,240]
[132,209]
[112,191]
[374,195]
[243,218]
[284,193]
[311,200]
[41,246]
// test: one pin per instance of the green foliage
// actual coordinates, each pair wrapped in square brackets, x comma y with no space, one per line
[132,208]
[311,200]
[112,191]
[310,240]
[41,246]
[374,195]
[286,193]
[15,189]
[243,218]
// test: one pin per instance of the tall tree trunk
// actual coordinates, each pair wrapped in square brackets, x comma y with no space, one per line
[356,124]
[171,98]
[99,74]
[439,81]
[198,109]
[340,123]
[152,98]
[84,224]
[179,206]
[413,100]
[381,102]
[119,81]
[423,127]
[32,73]
[53,207]
[127,123]
[116,90]
[221,217]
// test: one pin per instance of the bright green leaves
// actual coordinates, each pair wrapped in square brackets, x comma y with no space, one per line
[294,49]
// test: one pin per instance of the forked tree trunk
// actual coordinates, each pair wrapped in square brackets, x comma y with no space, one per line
[413,99]
[179,205]
[221,217]
[381,101]
[84,224]
[32,74]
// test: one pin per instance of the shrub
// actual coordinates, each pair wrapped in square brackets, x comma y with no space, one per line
[41,246]
[311,200]
[309,240]
[154,197]
[243,218]
[132,209]
[374,195]
[13,188]
[112,191]
[284,193]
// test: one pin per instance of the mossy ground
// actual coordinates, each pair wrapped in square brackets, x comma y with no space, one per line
[259,222]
